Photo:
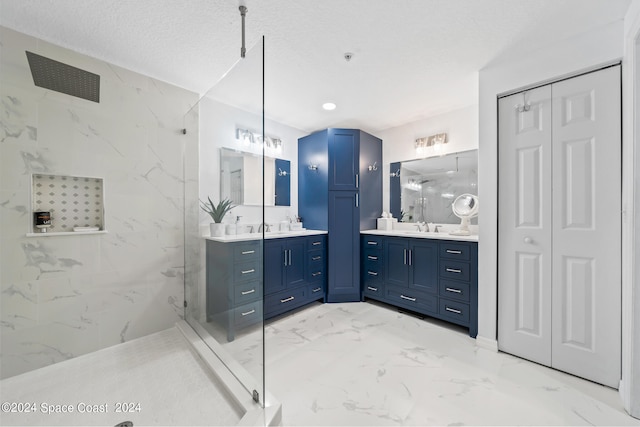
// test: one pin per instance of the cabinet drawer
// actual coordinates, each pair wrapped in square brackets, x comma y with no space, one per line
[372,256]
[246,292]
[248,314]
[281,300]
[454,311]
[316,272]
[455,251]
[246,251]
[454,270]
[315,242]
[245,271]
[413,300]
[454,290]
[316,257]
[316,291]
[375,290]
[371,242]
[372,272]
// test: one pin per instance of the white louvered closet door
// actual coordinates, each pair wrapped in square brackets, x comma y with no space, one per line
[566,266]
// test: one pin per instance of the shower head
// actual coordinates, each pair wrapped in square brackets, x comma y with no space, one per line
[54,75]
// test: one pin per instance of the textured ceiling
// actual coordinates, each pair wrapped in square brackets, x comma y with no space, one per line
[412,58]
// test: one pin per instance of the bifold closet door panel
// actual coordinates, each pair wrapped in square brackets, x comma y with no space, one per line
[524,225]
[587,225]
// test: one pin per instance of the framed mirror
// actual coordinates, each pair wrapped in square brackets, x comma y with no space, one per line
[241,179]
[424,189]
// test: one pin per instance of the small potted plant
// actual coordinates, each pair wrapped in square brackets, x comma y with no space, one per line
[217,213]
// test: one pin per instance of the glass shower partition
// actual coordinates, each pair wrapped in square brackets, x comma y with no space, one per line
[224,263]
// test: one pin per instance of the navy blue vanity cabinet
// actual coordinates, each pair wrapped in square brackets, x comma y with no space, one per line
[340,191]
[438,278]
[234,284]
[294,273]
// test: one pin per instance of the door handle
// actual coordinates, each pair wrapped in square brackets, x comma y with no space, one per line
[357,180]
[405,256]
[289,256]
[284,253]
[410,256]
[357,200]
[528,240]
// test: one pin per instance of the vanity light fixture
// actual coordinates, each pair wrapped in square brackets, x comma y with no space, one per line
[247,137]
[434,141]
[329,106]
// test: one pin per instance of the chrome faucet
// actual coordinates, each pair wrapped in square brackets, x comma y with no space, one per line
[419,225]
[265,226]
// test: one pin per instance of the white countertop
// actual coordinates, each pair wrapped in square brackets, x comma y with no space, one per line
[268,235]
[422,234]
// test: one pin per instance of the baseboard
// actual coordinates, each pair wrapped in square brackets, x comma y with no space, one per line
[487,343]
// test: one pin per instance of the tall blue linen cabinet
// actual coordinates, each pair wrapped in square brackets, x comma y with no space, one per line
[340,191]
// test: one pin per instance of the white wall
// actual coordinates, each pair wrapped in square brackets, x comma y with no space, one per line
[64,296]
[563,57]
[630,387]
[398,143]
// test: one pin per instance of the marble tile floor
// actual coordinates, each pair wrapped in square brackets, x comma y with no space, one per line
[160,372]
[366,364]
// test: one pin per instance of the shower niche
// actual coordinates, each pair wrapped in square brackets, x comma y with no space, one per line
[75,204]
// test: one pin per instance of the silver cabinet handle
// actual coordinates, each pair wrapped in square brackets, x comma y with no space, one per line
[316,243]
[372,243]
[357,180]
[453,310]
[249,312]
[357,200]
[405,256]
[253,270]
[316,258]
[410,255]
[248,292]
[317,273]
[371,288]
[316,290]
[454,270]
[457,291]
[407,298]
[287,299]
[284,254]
[375,258]
[289,256]
[248,252]
[450,251]
[372,273]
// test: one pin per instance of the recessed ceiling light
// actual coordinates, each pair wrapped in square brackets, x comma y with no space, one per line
[329,106]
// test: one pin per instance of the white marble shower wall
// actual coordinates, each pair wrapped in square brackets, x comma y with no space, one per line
[63,296]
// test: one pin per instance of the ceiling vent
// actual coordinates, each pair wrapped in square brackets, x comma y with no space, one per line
[54,75]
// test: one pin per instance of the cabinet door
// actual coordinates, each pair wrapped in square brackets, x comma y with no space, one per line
[423,264]
[343,159]
[344,247]
[274,265]
[396,252]
[296,257]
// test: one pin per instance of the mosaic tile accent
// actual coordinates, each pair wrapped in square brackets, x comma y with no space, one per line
[73,201]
